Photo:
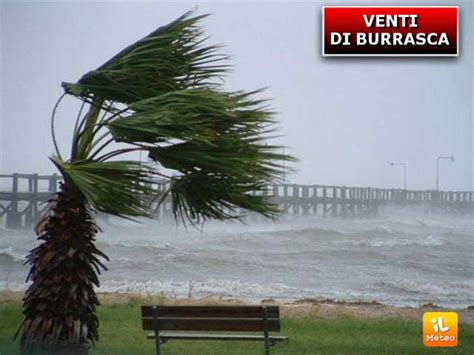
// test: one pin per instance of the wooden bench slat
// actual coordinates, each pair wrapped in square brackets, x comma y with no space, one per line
[215,324]
[215,336]
[212,311]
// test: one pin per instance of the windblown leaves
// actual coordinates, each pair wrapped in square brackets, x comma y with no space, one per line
[121,188]
[172,108]
[217,143]
[192,114]
[170,58]
[198,196]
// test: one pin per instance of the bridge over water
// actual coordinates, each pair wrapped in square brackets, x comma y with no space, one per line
[21,197]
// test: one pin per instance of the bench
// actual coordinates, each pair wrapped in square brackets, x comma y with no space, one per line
[209,323]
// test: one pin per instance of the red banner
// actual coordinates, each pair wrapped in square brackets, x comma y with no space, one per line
[390,31]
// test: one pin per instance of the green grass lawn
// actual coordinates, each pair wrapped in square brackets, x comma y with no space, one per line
[121,333]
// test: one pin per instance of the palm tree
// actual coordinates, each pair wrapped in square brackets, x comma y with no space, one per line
[162,95]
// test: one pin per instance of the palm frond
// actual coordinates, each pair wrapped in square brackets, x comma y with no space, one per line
[170,58]
[216,141]
[192,114]
[199,196]
[121,188]
[171,105]
[221,182]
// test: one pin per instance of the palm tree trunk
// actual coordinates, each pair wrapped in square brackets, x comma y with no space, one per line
[59,306]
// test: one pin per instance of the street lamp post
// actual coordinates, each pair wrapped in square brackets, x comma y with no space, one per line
[451,158]
[404,173]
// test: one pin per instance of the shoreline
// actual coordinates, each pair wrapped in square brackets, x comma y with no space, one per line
[305,307]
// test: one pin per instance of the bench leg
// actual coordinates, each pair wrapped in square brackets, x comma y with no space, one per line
[156,327]
[265,330]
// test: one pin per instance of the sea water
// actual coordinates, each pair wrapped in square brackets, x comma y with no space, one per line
[398,259]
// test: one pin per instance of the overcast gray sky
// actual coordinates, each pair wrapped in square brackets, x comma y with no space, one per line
[345,119]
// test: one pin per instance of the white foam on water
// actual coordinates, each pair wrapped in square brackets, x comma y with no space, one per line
[11,255]
[208,288]
[405,260]
[378,242]
[441,290]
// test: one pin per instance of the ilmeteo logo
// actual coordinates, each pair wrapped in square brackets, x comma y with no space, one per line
[440,329]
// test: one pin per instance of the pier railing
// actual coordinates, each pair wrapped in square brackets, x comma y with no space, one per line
[21,197]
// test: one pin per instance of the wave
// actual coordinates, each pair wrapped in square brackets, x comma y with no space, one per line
[207,288]
[134,244]
[10,255]
[429,241]
[418,289]
[337,231]
[414,294]
[456,295]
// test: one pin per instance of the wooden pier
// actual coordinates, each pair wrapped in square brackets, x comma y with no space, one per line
[22,197]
